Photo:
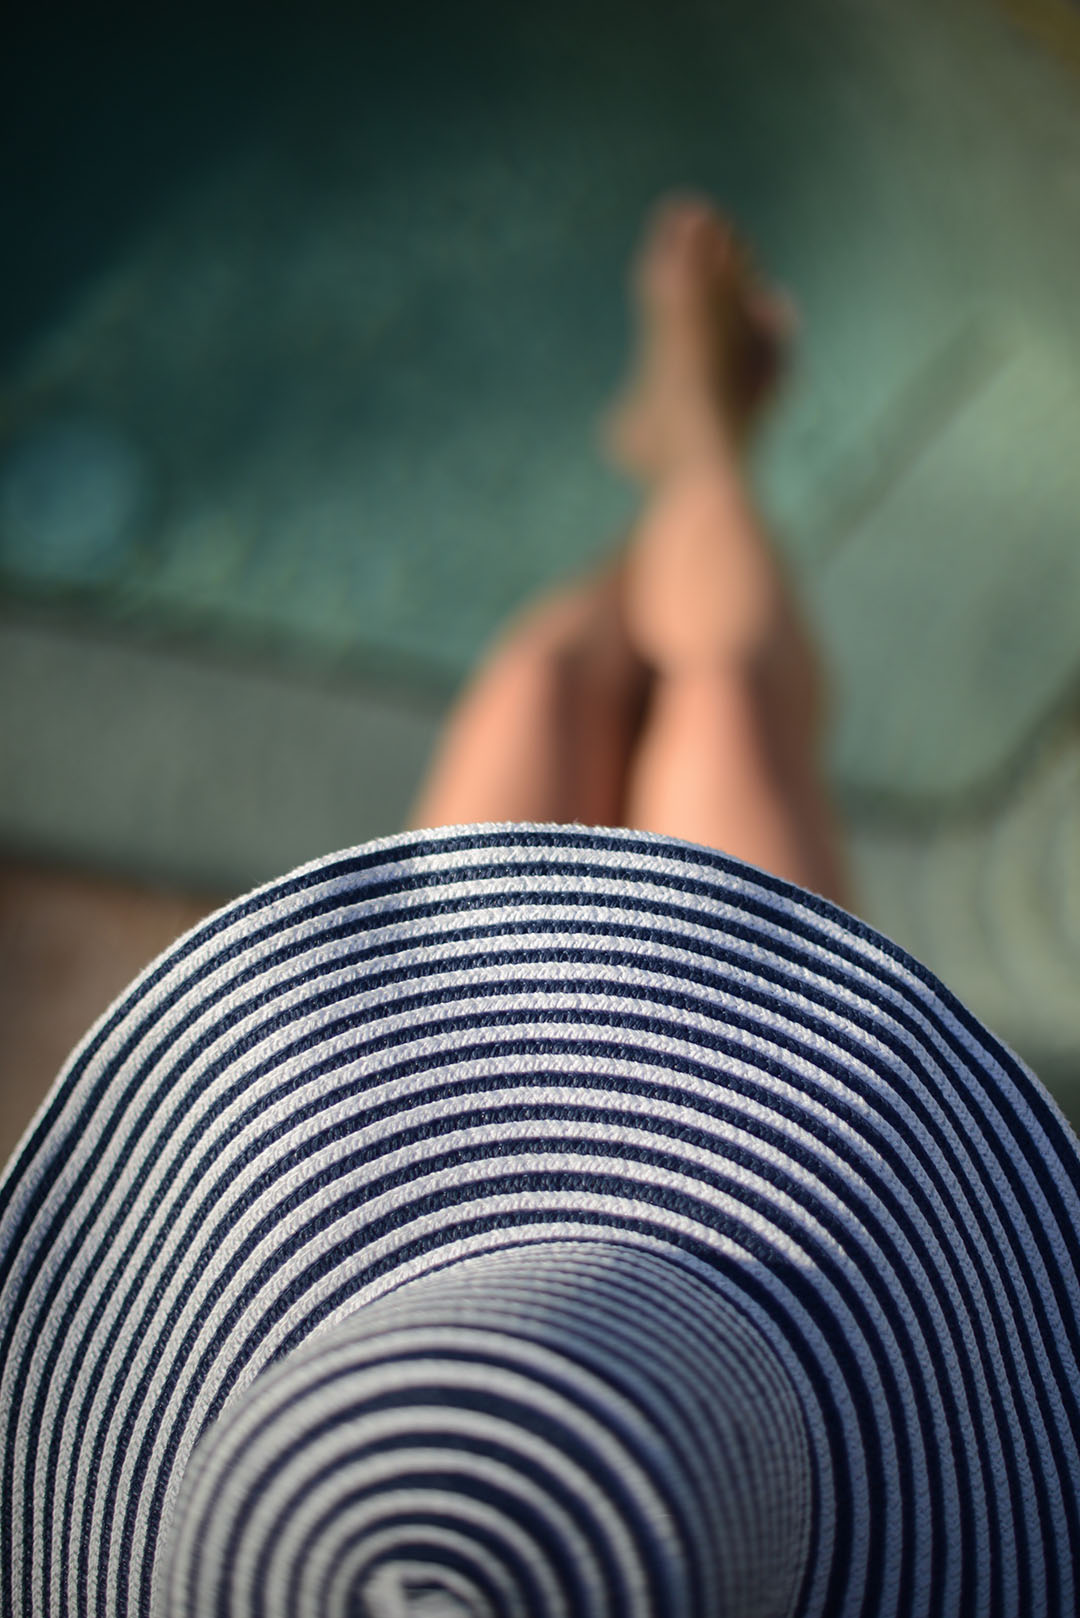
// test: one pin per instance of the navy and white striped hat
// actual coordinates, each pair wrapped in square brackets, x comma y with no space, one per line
[540,1221]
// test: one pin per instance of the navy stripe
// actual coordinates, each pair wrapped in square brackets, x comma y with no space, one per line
[402,886]
[806,1293]
[745,1282]
[991,1138]
[274,1434]
[610,1483]
[502,1549]
[905,1056]
[443,1556]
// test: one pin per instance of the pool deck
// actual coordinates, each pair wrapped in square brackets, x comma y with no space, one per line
[332,399]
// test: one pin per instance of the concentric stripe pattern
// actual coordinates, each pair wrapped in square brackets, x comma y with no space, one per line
[561,1428]
[488,1044]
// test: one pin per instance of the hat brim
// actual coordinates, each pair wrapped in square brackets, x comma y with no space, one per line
[447,1043]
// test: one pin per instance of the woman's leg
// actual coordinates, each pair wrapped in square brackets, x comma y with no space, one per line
[545,729]
[677,690]
[728,753]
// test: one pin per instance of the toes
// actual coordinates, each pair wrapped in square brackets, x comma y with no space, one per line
[689,247]
[682,225]
[676,215]
[712,327]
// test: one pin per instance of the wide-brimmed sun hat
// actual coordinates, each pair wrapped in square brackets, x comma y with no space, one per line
[518,1220]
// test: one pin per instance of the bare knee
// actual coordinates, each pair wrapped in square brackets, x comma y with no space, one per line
[553,630]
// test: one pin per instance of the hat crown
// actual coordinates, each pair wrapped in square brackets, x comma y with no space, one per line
[558,1427]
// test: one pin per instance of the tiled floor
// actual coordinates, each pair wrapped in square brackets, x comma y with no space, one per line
[68,946]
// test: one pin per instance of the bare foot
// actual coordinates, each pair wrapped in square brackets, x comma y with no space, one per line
[712,340]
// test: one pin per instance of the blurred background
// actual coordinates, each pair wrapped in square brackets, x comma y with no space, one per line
[306,324]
